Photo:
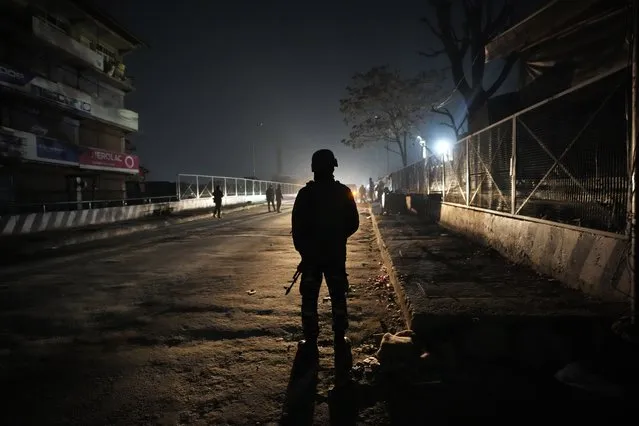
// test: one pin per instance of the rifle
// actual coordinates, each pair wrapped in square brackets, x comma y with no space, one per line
[296,275]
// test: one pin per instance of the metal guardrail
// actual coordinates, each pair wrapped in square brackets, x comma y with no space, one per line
[187,187]
[201,186]
[82,205]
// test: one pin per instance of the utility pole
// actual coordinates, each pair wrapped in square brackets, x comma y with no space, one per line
[260,124]
[253,155]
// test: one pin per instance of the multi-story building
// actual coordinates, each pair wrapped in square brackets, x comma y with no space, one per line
[63,121]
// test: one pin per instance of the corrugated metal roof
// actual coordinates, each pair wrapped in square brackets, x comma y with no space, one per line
[541,24]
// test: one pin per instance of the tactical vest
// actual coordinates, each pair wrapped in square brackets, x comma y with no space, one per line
[328,211]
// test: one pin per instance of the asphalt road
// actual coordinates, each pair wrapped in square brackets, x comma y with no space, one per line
[183,325]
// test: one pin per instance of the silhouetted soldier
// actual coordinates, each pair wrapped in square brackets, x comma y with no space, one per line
[324,216]
[379,189]
[278,197]
[217,199]
[362,194]
[270,197]
[371,190]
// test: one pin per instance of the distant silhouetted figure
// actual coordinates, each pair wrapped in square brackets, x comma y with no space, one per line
[384,200]
[217,199]
[278,197]
[379,189]
[362,193]
[324,216]
[371,190]
[270,197]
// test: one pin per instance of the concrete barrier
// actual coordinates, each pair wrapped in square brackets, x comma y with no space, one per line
[52,221]
[591,261]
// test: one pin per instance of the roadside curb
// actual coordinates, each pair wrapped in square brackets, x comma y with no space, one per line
[127,230]
[403,300]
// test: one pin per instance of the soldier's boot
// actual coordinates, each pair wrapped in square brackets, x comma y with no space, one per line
[308,347]
[343,360]
[308,353]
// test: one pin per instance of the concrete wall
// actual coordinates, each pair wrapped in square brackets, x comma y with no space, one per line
[591,261]
[51,221]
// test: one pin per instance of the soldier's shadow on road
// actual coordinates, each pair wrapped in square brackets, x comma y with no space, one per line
[301,395]
[299,406]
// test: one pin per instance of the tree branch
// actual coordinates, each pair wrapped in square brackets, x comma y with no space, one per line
[443,123]
[493,26]
[431,27]
[432,54]
[445,112]
[390,150]
[454,52]
[510,62]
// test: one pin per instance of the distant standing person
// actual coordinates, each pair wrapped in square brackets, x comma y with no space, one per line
[278,197]
[380,190]
[362,194]
[217,199]
[371,190]
[270,197]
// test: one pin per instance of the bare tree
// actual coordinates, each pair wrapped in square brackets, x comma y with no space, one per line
[479,25]
[381,106]
[451,123]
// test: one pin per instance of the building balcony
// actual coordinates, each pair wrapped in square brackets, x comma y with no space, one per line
[123,118]
[82,55]
[84,104]
[75,101]
[62,41]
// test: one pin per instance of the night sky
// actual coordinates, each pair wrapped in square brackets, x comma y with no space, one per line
[215,69]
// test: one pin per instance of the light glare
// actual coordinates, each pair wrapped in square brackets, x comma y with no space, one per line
[442,147]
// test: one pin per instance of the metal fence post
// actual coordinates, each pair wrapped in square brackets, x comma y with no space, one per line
[444,177]
[245,193]
[235,193]
[467,189]
[427,174]
[178,190]
[226,190]
[513,168]
[197,186]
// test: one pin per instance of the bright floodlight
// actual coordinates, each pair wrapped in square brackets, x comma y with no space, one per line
[442,147]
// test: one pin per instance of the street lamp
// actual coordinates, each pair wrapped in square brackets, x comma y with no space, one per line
[422,143]
[442,148]
[253,155]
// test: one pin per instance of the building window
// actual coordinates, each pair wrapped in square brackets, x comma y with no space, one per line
[65,75]
[54,21]
[108,53]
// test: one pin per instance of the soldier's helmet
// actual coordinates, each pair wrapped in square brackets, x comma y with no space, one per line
[323,160]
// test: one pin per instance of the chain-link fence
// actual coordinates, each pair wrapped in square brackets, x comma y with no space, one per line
[200,186]
[564,160]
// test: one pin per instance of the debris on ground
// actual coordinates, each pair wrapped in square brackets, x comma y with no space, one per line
[380,281]
[398,357]
[365,370]
[397,348]
[251,292]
